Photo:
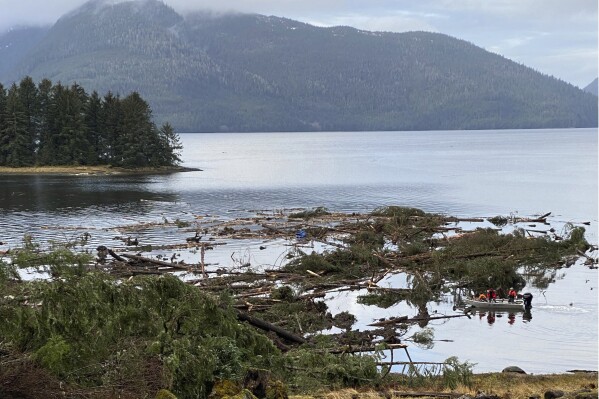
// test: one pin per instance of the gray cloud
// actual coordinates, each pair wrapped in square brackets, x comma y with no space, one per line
[555,37]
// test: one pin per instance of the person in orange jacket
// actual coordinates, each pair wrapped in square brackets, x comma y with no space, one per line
[512,295]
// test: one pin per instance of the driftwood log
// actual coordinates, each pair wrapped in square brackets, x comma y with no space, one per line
[264,325]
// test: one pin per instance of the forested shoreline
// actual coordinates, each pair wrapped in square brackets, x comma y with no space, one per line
[55,125]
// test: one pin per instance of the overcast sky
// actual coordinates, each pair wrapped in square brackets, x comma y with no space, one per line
[555,37]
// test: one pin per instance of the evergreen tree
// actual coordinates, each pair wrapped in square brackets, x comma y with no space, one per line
[110,121]
[57,125]
[139,138]
[28,95]
[171,145]
[93,126]
[54,150]
[68,126]
[2,110]
[79,149]
[44,135]
[15,143]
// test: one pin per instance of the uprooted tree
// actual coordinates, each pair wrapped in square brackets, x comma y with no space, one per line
[132,333]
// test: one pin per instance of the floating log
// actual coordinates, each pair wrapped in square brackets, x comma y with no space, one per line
[383,323]
[114,255]
[158,262]
[474,220]
[360,349]
[417,319]
[405,319]
[540,219]
[264,325]
[262,291]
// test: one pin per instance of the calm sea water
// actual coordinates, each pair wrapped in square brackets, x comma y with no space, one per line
[469,173]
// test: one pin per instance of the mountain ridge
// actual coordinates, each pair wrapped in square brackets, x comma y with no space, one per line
[250,72]
[592,87]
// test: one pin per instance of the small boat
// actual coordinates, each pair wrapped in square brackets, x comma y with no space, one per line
[498,304]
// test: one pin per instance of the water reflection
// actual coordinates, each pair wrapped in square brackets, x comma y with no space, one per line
[34,193]
[492,317]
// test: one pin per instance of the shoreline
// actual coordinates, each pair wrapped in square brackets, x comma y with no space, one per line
[97,170]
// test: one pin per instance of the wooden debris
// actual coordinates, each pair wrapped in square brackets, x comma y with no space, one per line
[264,325]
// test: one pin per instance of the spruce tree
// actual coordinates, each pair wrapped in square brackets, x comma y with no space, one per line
[54,150]
[2,116]
[170,146]
[110,122]
[44,132]
[139,138]
[79,149]
[15,142]
[58,125]
[28,95]
[93,126]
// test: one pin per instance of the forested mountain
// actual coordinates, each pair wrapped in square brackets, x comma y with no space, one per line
[241,72]
[15,44]
[592,87]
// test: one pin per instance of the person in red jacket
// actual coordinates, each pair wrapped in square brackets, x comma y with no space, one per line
[512,295]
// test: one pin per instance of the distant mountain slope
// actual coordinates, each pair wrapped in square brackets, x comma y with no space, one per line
[592,87]
[242,72]
[16,43]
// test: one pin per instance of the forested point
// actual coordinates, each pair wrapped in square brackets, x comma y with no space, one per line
[51,125]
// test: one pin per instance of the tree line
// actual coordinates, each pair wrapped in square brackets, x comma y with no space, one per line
[52,124]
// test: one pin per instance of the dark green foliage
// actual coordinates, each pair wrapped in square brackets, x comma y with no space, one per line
[284,293]
[60,262]
[398,211]
[91,330]
[355,262]
[313,370]
[344,320]
[367,238]
[16,143]
[576,240]
[58,125]
[424,338]
[486,258]
[457,373]
[384,299]
[136,143]
[171,144]
[309,214]
[477,260]
[300,317]
[498,220]
[8,272]
[314,262]
[239,72]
